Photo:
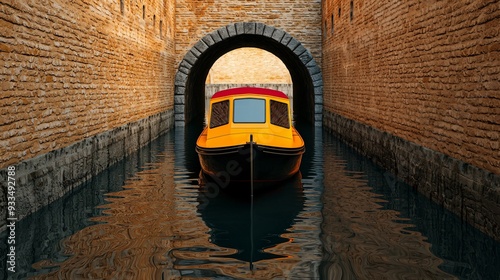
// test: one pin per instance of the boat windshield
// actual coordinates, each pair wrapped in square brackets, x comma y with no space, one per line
[249,110]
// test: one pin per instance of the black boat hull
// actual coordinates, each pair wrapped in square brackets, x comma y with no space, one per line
[231,165]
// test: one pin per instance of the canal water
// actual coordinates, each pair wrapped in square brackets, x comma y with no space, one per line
[342,217]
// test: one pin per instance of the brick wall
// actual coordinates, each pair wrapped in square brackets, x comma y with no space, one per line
[197,18]
[72,70]
[250,66]
[425,71]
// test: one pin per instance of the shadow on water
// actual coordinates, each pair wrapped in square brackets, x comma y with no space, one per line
[252,227]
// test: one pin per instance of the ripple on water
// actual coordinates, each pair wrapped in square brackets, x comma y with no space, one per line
[364,241]
[334,222]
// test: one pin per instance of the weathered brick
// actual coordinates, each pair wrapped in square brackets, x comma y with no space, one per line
[299,18]
[245,66]
[418,70]
[73,62]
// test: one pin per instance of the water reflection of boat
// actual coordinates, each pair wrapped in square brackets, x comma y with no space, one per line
[239,113]
[255,230]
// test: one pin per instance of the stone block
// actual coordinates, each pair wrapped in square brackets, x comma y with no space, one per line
[318,90]
[179,109]
[317,81]
[259,28]
[268,31]
[185,67]
[209,41]
[180,79]
[278,34]
[116,150]
[224,33]
[179,117]
[293,44]
[249,28]
[196,52]
[299,50]
[240,28]
[306,57]
[286,39]
[179,100]
[318,109]
[144,136]
[190,57]
[231,30]
[201,46]
[100,157]
[312,67]
[179,91]
[216,36]
[318,99]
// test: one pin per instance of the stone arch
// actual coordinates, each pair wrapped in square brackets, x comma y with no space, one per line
[190,78]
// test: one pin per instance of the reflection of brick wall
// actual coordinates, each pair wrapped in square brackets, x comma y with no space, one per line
[249,66]
[74,70]
[426,72]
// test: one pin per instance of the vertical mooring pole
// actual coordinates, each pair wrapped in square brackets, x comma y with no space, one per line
[251,167]
[251,202]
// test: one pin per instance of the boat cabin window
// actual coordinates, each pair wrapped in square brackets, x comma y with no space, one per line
[249,110]
[279,114]
[220,114]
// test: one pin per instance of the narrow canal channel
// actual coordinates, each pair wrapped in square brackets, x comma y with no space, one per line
[342,218]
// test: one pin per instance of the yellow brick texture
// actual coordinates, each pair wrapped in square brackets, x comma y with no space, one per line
[426,71]
[249,66]
[299,18]
[73,69]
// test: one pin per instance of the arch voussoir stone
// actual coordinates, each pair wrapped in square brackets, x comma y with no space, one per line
[240,28]
[185,67]
[180,79]
[292,44]
[278,34]
[317,79]
[259,28]
[223,32]
[208,40]
[190,57]
[268,31]
[313,67]
[299,50]
[305,57]
[249,28]
[286,39]
[216,36]
[231,30]
[202,45]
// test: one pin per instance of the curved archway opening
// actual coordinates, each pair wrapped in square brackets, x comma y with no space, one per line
[248,67]
[194,68]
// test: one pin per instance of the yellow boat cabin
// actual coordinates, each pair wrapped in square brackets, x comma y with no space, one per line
[236,114]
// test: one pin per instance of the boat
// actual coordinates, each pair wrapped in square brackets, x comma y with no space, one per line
[249,126]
